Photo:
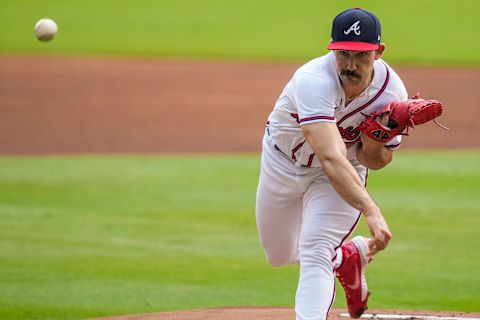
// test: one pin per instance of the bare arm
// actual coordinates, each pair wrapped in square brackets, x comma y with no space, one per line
[373,154]
[328,146]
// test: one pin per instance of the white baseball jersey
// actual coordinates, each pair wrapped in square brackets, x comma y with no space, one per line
[315,94]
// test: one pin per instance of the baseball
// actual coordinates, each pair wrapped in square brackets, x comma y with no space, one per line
[45,29]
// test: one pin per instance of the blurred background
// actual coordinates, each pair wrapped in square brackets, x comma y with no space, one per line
[148,76]
[129,154]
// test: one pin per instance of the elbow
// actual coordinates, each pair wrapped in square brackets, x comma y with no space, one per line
[375,164]
[375,161]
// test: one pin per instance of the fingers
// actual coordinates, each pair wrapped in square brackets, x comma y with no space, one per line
[385,118]
[379,230]
[373,248]
[379,242]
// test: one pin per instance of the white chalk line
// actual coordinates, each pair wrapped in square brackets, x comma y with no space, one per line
[407,316]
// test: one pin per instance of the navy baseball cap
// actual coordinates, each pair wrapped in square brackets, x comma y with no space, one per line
[355,30]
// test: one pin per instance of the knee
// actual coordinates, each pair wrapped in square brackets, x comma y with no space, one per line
[318,255]
[278,260]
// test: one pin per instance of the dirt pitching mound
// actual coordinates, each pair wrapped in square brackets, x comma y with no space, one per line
[267,313]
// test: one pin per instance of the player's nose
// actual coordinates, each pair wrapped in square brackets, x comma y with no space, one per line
[352,65]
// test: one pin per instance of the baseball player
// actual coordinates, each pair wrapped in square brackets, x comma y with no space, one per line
[315,161]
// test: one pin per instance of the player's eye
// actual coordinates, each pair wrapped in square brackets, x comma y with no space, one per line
[343,52]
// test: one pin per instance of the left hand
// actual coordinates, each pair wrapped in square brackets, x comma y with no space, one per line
[401,116]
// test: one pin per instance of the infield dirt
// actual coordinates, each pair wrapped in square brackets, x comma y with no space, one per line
[249,313]
[119,105]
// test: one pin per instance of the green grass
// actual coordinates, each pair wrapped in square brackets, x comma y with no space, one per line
[93,236]
[416,32]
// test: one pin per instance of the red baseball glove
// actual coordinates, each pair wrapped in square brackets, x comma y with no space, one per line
[402,115]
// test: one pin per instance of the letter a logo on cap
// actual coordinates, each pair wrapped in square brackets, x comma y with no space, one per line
[355,28]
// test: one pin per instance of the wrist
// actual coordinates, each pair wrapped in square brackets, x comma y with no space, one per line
[370,146]
[370,210]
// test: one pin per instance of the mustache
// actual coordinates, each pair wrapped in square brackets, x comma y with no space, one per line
[346,72]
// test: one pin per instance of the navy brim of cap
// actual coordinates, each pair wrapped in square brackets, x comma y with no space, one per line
[353,46]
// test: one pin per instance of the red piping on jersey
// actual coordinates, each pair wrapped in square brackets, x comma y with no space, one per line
[296,149]
[387,78]
[333,298]
[310,160]
[316,118]
[351,229]
[344,238]
[295,116]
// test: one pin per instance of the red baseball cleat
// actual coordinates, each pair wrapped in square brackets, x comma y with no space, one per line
[351,274]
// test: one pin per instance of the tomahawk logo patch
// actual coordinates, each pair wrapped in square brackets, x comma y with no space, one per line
[355,27]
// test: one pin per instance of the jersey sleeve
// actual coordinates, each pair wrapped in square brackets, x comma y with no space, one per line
[314,98]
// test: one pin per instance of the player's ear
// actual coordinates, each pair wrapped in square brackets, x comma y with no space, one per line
[379,52]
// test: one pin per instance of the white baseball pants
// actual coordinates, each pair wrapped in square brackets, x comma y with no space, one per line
[302,219]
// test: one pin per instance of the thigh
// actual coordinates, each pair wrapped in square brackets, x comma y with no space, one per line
[279,230]
[327,221]
[278,208]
